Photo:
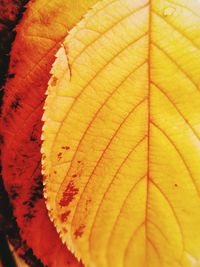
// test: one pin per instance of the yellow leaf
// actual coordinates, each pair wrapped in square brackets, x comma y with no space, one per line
[122,135]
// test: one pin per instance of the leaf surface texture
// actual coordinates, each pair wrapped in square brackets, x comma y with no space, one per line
[121,135]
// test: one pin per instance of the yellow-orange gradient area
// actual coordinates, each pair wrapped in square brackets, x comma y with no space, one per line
[121,151]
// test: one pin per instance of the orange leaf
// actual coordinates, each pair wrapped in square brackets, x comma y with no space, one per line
[43,27]
[122,137]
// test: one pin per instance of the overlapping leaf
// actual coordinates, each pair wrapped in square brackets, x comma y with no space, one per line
[10,13]
[43,27]
[122,137]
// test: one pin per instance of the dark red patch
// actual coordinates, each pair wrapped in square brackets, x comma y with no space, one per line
[79,231]
[68,195]
[15,104]
[15,191]
[65,215]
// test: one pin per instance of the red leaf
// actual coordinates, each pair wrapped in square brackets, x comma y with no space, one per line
[39,34]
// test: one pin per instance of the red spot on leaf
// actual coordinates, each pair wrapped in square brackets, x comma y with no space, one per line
[65,215]
[69,194]
[79,231]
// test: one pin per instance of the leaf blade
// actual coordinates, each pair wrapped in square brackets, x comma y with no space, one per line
[100,125]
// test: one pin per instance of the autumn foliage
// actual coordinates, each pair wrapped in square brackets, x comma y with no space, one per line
[100,120]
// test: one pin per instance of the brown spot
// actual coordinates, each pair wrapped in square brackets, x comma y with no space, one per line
[33,138]
[65,230]
[175,185]
[66,147]
[59,156]
[15,191]
[79,231]
[74,175]
[16,103]
[88,201]
[54,81]
[1,139]
[65,215]
[68,195]
[36,193]
[11,75]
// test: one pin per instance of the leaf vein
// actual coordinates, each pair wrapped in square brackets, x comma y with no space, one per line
[110,184]
[173,212]
[107,30]
[180,155]
[177,65]
[105,150]
[177,109]
[177,30]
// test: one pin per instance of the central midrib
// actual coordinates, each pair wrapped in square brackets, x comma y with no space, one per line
[148,128]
